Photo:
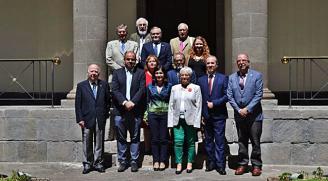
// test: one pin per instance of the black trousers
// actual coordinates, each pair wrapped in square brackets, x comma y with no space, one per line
[249,130]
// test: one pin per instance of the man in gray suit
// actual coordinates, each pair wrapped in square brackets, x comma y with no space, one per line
[141,36]
[116,48]
[245,91]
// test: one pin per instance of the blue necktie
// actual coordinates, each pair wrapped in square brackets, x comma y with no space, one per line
[94,89]
[123,48]
[155,49]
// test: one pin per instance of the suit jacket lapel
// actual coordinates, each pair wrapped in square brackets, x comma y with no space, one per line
[88,87]
[237,83]
[99,89]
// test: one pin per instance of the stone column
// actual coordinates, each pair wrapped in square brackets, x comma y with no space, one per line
[90,38]
[250,35]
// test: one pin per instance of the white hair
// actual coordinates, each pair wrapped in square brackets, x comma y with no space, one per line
[188,70]
[141,19]
[182,24]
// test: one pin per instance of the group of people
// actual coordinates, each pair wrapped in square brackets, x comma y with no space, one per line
[176,89]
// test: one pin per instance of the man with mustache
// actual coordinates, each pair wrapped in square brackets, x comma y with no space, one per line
[141,36]
[245,91]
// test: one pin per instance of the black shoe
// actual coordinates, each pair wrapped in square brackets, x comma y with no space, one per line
[178,172]
[100,169]
[134,167]
[122,168]
[189,170]
[209,168]
[221,171]
[86,170]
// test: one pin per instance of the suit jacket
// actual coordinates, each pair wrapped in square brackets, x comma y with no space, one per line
[173,78]
[164,56]
[88,108]
[137,92]
[250,97]
[218,96]
[193,105]
[114,57]
[135,37]
[175,44]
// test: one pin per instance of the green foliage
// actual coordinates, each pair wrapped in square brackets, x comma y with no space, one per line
[16,177]
[317,175]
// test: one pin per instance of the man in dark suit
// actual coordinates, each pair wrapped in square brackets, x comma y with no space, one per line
[161,49]
[245,91]
[128,88]
[173,76]
[214,111]
[92,105]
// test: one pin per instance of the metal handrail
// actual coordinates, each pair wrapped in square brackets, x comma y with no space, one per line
[312,61]
[31,94]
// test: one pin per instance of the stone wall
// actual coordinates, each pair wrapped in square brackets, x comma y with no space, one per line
[296,135]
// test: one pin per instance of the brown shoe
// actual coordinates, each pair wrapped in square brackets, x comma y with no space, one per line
[240,170]
[256,171]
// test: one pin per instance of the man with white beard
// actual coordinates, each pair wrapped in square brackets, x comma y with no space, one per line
[141,36]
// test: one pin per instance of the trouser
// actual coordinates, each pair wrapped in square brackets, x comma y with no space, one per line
[159,140]
[184,132]
[249,130]
[124,124]
[93,157]
[215,142]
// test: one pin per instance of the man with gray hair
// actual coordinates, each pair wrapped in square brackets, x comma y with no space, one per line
[141,36]
[116,48]
[182,43]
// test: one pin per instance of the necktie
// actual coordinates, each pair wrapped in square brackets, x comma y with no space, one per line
[181,46]
[122,47]
[210,79]
[94,89]
[155,49]
[242,82]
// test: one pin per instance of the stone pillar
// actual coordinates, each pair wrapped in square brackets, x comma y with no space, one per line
[90,38]
[250,35]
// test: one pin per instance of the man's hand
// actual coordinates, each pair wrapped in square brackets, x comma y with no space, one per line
[243,112]
[210,105]
[81,123]
[129,105]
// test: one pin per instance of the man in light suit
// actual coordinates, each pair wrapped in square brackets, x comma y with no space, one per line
[116,48]
[245,91]
[128,88]
[141,36]
[182,43]
[160,49]
[92,105]
[214,111]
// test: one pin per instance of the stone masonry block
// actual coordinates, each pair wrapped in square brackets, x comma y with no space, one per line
[53,113]
[249,6]
[53,130]
[8,151]
[320,155]
[258,25]
[20,129]
[273,153]
[303,154]
[319,132]
[96,27]
[62,151]
[16,113]
[111,146]
[243,25]
[231,131]
[267,130]
[291,131]
[32,151]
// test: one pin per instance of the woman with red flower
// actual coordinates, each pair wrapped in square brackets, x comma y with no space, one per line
[184,116]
